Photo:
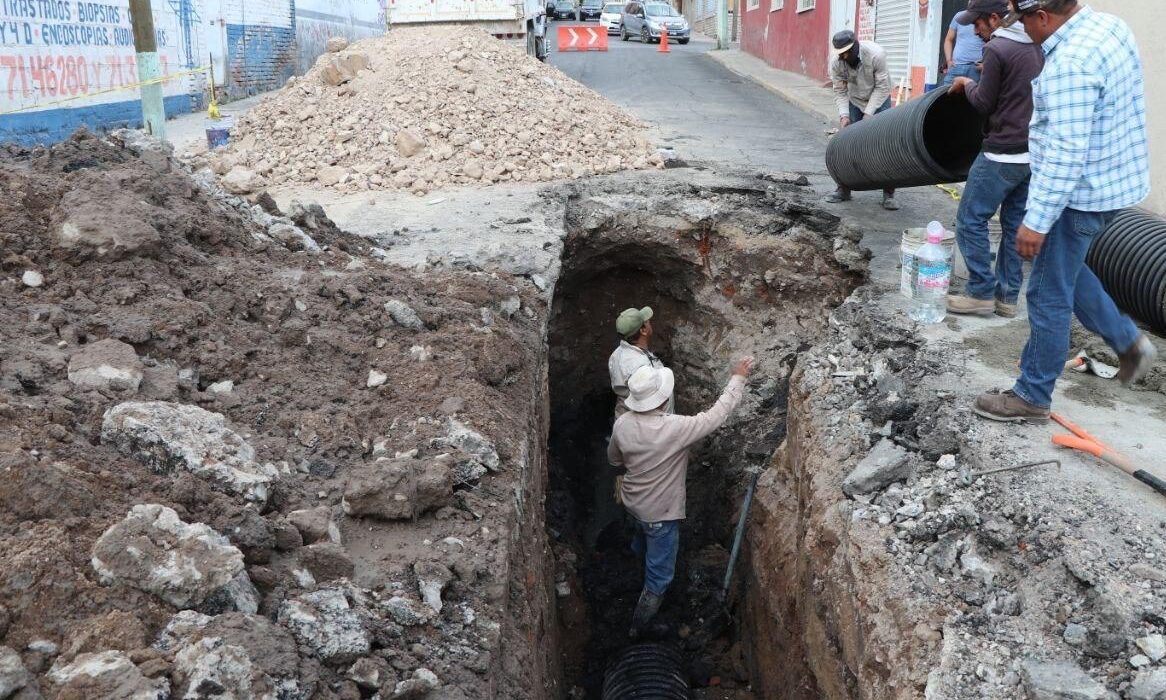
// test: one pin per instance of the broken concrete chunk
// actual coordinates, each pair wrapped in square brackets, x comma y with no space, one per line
[422,682]
[338,68]
[240,180]
[392,489]
[1149,685]
[1153,646]
[472,443]
[181,629]
[315,525]
[32,278]
[375,379]
[108,674]
[324,622]
[404,315]
[13,675]
[1059,680]
[404,611]
[212,663]
[336,44]
[184,564]
[369,672]
[432,578]
[326,561]
[108,365]
[409,143]
[885,464]
[167,436]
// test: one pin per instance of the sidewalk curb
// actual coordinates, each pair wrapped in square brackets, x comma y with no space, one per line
[786,94]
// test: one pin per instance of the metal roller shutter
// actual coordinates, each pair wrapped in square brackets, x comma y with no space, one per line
[893,33]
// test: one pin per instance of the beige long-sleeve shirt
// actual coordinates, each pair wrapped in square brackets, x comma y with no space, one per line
[653,446]
[868,86]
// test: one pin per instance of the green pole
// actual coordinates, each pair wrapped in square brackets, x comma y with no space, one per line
[722,24]
[145,44]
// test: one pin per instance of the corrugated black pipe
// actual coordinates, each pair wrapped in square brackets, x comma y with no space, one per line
[927,141]
[646,671]
[1129,258]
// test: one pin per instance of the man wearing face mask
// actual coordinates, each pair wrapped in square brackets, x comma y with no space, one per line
[862,88]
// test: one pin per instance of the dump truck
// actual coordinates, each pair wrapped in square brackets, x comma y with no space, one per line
[516,21]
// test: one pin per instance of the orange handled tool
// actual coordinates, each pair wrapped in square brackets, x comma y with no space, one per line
[1082,440]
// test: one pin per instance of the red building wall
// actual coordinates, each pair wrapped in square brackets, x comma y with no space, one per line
[788,39]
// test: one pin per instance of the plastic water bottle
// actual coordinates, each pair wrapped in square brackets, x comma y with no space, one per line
[929,297]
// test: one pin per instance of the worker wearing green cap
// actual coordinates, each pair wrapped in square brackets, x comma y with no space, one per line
[635,332]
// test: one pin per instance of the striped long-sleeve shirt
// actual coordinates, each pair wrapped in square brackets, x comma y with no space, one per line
[1087,139]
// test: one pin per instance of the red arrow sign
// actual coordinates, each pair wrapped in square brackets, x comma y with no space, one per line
[592,39]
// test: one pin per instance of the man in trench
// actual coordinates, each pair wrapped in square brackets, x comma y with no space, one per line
[634,327]
[652,444]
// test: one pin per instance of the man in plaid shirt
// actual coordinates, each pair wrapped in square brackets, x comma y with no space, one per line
[1087,142]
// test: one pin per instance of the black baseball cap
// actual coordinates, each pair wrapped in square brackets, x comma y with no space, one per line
[1025,7]
[982,8]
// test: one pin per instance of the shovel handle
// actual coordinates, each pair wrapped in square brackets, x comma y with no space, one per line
[1112,457]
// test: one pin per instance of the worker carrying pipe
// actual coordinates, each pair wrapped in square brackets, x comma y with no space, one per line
[862,88]
[1089,159]
[652,445]
[999,177]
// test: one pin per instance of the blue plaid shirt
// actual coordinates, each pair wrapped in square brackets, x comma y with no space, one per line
[1087,139]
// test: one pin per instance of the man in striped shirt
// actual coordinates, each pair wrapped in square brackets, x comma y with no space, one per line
[1087,143]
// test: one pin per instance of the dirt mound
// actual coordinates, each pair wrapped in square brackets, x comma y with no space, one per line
[425,107]
[123,279]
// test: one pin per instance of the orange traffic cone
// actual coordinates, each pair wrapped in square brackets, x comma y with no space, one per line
[663,39]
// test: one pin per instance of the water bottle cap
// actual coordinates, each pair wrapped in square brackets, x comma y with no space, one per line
[934,232]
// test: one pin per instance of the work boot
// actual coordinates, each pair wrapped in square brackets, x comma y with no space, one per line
[961,304]
[1005,310]
[1007,407]
[889,202]
[646,609]
[839,195]
[1136,362]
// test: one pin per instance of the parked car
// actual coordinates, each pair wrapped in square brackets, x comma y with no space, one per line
[645,20]
[590,9]
[565,9]
[609,18]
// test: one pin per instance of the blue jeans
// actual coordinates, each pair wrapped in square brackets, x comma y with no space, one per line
[967,70]
[992,186]
[658,543]
[1062,285]
[856,116]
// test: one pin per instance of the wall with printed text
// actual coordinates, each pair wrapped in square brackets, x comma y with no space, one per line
[65,64]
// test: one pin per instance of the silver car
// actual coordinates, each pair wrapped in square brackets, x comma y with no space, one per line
[647,20]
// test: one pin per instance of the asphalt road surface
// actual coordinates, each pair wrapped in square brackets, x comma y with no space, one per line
[716,118]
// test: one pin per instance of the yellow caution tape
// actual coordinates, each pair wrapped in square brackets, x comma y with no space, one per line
[129,86]
[955,194]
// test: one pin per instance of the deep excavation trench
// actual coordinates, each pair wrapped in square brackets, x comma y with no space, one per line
[728,271]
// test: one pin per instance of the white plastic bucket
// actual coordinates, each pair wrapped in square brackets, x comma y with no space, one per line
[218,131]
[912,239]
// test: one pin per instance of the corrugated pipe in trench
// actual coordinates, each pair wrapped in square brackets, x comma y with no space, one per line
[646,671]
[1129,258]
[927,141]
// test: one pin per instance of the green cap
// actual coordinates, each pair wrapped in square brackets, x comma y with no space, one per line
[630,320]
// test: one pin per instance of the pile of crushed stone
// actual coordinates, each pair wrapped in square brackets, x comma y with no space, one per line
[231,439]
[425,107]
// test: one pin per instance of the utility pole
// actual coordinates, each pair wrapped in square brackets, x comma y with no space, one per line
[146,46]
[722,24]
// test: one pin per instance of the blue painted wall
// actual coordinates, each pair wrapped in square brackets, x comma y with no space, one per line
[53,125]
[261,58]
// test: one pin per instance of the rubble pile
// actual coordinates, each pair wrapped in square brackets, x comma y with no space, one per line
[425,107]
[190,453]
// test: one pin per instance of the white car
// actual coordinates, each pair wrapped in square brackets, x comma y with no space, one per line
[609,18]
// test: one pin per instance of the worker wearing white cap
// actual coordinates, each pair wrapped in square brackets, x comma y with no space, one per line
[634,327]
[652,445]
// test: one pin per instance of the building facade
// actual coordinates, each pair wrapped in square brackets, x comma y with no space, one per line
[72,63]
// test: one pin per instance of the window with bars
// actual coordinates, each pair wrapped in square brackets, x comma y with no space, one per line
[804,5]
[752,4]
[775,5]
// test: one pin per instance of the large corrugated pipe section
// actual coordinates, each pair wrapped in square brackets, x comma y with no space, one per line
[646,671]
[1129,258]
[927,141]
